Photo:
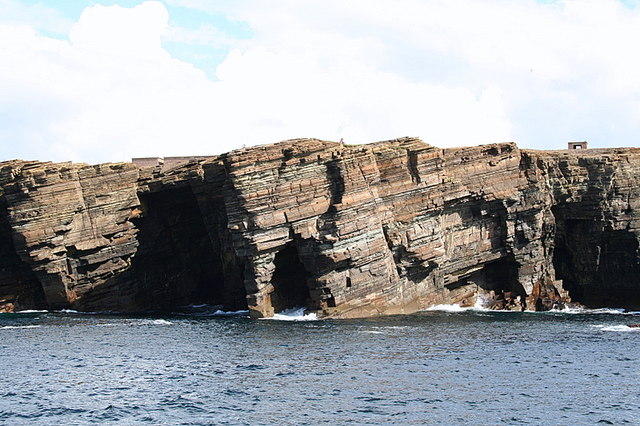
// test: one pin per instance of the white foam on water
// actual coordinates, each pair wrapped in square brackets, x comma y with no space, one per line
[607,311]
[392,329]
[617,327]
[481,302]
[9,327]
[578,310]
[160,322]
[206,310]
[479,307]
[151,322]
[448,308]
[31,311]
[230,313]
[458,308]
[294,314]
[72,311]
[135,322]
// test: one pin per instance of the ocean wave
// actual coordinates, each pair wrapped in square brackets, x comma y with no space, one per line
[157,322]
[135,322]
[391,329]
[206,310]
[32,311]
[10,327]
[294,314]
[579,310]
[615,327]
[457,308]
[449,308]
[222,313]
[566,310]
[74,312]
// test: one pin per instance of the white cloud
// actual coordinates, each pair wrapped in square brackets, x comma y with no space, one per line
[110,93]
[205,35]
[35,15]
[117,30]
[453,73]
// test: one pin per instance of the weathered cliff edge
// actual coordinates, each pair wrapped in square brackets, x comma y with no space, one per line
[347,231]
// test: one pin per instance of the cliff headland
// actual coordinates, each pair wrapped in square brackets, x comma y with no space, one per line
[346,231]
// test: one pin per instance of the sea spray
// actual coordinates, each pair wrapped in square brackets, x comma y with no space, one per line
[294,314]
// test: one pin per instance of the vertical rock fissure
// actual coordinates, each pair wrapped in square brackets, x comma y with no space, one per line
[336,181]
[412,161]
[19,287]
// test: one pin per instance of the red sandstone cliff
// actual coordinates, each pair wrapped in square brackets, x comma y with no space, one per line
[391,227]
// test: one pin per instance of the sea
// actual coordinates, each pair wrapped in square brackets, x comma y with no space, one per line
[202,366]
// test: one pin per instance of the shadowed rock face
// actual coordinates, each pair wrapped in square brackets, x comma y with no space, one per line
[391,227]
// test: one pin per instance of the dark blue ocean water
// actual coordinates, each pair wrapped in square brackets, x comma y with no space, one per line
[469,367]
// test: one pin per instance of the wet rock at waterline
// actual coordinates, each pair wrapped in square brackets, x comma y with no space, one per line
[345,231]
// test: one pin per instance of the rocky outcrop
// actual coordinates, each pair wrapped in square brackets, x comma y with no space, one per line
[347,231]
[67,227]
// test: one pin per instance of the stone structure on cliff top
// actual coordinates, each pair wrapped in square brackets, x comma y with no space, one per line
[347,231]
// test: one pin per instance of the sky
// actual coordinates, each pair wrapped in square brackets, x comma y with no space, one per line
[105,81]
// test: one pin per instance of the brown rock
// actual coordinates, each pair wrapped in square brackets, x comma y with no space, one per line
[345,231]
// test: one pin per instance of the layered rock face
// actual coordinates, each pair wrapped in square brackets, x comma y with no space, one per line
[345,231]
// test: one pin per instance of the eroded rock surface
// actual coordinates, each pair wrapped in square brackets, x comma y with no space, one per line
[390,227]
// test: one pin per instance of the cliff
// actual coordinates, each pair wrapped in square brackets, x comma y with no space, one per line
[347,231]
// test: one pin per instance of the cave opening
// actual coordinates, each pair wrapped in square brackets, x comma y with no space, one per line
[497,285]
[563,264]
[569,265]
[289,281]
[599,266]
[502,276]
[183,258]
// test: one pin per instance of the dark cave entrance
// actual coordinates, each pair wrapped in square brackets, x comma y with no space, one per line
[289,281]
[563,264]
[183,258]
[599,267]
[497,284]
[500,280]
[502,276]
[571,238]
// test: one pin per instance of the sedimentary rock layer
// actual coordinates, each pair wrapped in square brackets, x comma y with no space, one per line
[346,231]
